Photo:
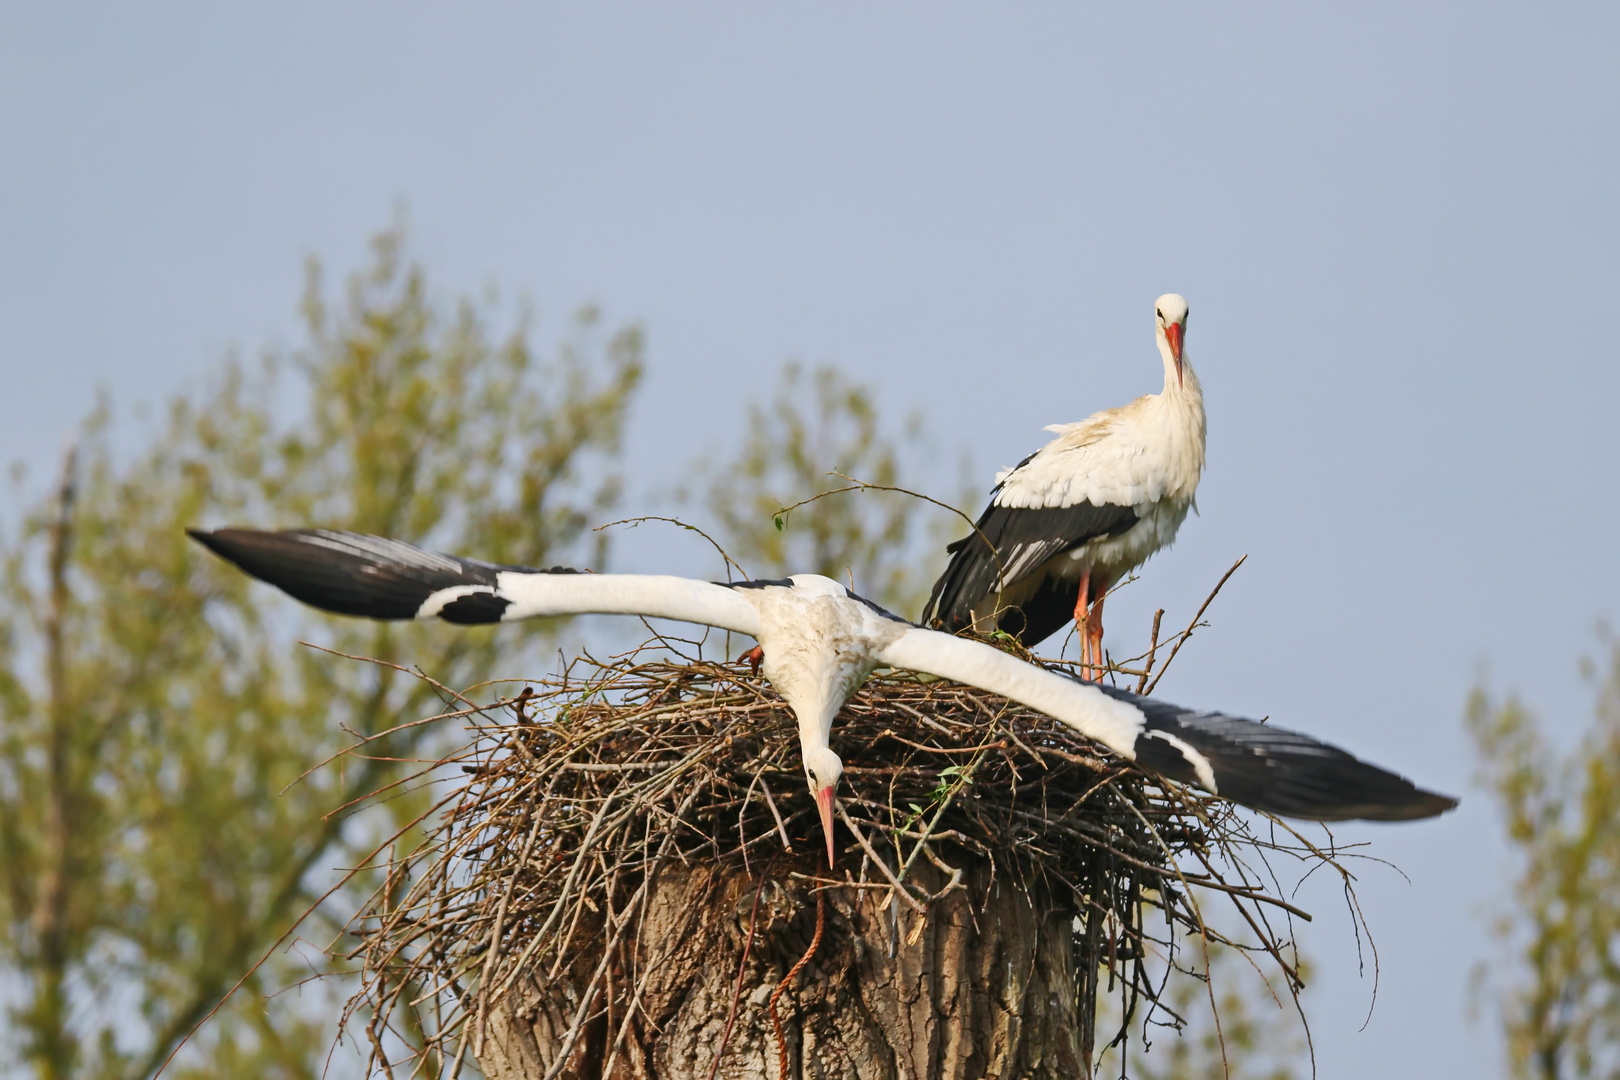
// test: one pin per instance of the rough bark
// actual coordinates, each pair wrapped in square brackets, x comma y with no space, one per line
[985,985]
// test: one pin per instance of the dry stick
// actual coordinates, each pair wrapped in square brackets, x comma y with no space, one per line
[494,947]
[862,485]
[585,846]
[1187,633]
[963,778]
[627,913]
[781,987]
[633,522]
[461,1059]
[742,966]
[770,802]
[635,999]
[1203,927]
[412,672]
[1153,647]
[377,1049]
[327,895]
[742,837]
[905,894]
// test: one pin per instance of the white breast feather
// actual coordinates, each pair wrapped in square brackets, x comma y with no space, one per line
[1145,453]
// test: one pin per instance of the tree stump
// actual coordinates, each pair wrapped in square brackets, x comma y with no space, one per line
[983,984]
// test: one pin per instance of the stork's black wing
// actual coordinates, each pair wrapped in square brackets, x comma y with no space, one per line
[369,576]
[1023,539]
[1273,769]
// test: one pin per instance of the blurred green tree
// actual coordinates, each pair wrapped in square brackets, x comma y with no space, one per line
[820,426]
[1560,993]
[155,837]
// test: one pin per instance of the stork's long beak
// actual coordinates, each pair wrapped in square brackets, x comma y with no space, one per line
[1172,334]
[824,800]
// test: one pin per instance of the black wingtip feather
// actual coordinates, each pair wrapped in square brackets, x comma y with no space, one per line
[1276,770]
[351,574]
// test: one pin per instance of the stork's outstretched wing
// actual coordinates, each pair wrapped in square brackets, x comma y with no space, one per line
[1260,766]
[376,578]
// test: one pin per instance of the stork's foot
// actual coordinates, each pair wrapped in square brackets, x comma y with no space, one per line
[1089,633]
[1093,664]
[1084,637]
[753,658]
[1094,631]
[1082,626]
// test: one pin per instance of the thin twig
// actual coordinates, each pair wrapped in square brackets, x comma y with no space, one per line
[1187,633]
[730,562]
[1153,647]
[780,514]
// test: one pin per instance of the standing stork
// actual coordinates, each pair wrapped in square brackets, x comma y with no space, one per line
[820,642]
[1080,513]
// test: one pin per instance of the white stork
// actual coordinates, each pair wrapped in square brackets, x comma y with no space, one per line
[820,642]
[1081,512]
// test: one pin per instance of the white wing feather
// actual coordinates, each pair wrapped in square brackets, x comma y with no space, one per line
[655,596]
[1086,709]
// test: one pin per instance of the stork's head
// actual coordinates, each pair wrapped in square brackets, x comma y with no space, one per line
[1170,317]
[822,768]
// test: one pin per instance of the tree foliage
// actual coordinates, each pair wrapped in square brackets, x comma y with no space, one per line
[157,832]
[1560,993]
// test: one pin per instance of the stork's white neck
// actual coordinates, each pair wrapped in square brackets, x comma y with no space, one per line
[1180,410]
[1185,388]
[820,644]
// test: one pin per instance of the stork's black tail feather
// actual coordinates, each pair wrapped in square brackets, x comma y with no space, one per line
[1273,769]
[369,576]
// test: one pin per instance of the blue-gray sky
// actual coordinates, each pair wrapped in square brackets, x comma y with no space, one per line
[1394,222]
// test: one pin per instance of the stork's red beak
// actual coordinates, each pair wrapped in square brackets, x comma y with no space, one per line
[824,801]
[1172,334]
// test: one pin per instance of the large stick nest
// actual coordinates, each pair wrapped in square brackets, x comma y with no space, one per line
[575,792]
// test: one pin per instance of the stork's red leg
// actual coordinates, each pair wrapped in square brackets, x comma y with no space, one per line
[1094,627]
[1082,607]
[753,658]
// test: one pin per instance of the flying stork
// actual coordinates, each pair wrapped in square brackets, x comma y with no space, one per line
[1080,513]
[820,642]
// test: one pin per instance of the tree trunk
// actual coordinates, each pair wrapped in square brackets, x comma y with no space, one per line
[984,985]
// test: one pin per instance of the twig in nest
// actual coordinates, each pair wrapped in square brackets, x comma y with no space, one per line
[1153,647]
[1187,633]
[779,516]
[633,522]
